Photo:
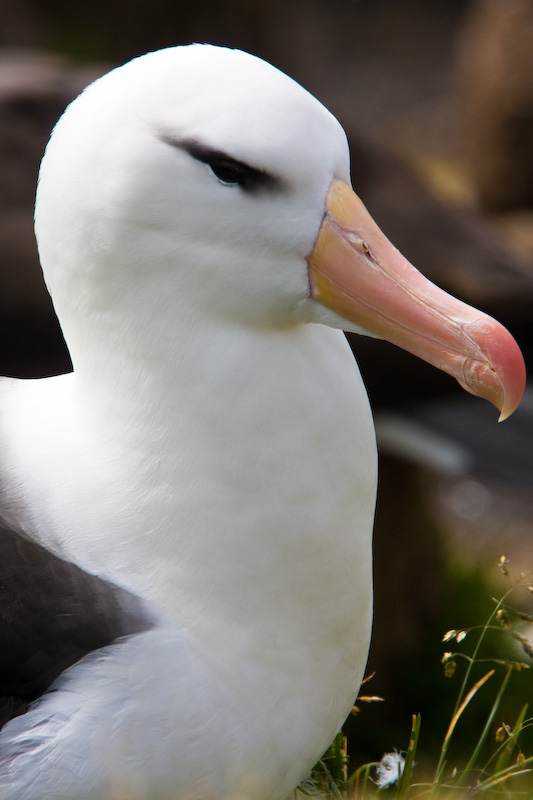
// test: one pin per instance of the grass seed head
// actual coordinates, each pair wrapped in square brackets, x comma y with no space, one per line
[502,564]
[449,664]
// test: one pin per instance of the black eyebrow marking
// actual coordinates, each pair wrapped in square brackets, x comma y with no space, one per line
[227,169]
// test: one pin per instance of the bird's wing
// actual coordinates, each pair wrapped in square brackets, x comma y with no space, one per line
[51,614]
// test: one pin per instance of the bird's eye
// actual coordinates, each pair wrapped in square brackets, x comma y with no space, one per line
[231,173]
[228,170]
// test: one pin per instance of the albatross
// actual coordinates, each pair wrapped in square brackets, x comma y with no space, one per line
[186,569]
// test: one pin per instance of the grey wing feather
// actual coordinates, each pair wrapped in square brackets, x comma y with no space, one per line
[52,613]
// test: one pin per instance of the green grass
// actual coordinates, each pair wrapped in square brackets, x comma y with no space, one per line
[498,761]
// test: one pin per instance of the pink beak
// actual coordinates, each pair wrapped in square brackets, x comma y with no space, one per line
[355,271]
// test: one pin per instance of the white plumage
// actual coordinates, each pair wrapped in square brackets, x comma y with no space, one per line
[213,451]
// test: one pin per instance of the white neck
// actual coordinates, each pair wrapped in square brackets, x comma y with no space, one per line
[212,502]
[219,451]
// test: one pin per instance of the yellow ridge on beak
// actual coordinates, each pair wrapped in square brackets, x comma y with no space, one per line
[355,271]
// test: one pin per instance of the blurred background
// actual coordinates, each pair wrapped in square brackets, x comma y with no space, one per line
[437,101]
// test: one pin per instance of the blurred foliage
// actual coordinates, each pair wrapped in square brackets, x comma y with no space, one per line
[420,678]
